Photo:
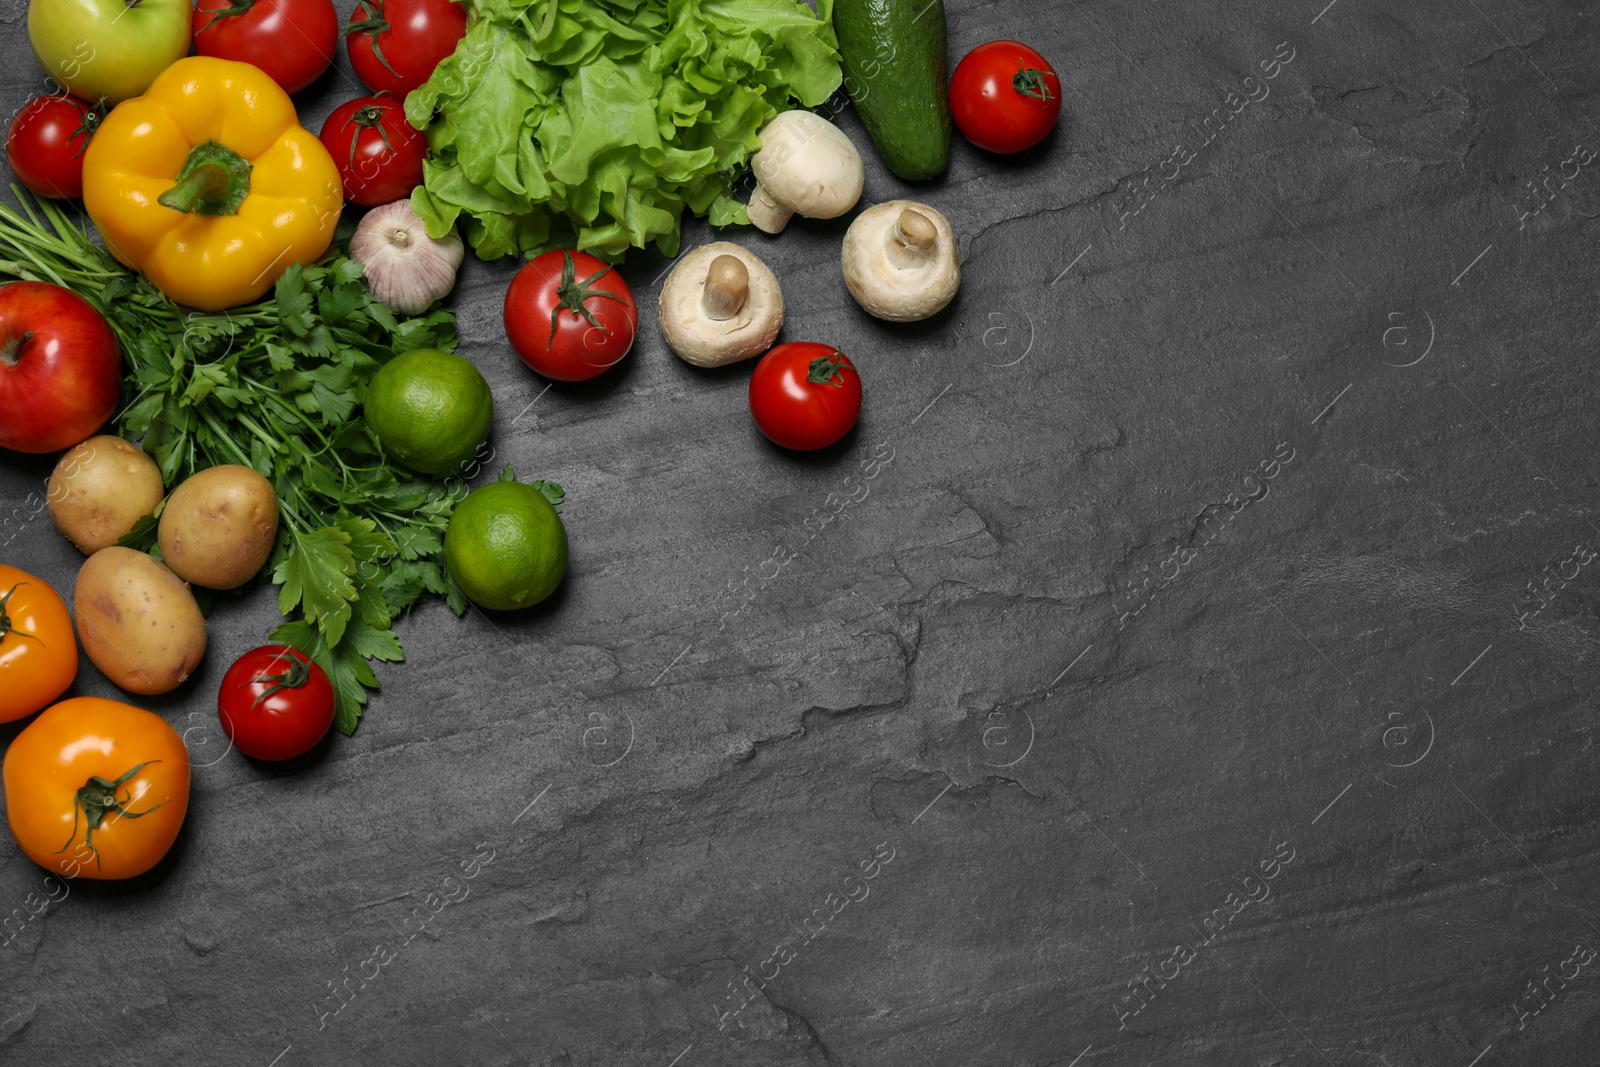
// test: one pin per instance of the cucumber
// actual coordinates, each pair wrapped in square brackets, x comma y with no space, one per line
[896,74]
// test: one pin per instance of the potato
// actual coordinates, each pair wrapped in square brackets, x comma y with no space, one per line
[100,489]
[137,621]
[218,526]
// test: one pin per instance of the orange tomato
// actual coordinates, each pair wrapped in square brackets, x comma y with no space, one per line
[96,788]
[38,652]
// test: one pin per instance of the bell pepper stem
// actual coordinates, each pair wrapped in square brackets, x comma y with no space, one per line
[205,182]
[214,181]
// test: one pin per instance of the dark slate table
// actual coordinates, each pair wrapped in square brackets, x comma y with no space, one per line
[1200,664]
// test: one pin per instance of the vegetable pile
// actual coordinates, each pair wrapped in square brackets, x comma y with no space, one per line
[275,386]
[294,409]
[593,125]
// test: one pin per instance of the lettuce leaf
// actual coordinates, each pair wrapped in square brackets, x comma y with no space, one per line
[594,123]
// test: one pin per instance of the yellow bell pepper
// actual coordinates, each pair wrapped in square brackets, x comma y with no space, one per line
[208,184]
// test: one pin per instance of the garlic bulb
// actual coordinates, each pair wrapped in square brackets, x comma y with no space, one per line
[406,269]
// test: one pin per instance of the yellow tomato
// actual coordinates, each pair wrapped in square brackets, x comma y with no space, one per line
[38,652]
[96,788]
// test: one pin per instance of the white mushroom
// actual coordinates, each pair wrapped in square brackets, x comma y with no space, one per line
[900,261]
[720,304]
[806,166]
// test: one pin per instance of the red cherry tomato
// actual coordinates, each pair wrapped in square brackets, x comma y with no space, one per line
[293,41]
[805,396]
[395,44]
[47,141]
[378,153]
[275,703]
[570,316]
[1004,97]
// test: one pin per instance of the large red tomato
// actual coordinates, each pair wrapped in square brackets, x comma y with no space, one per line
[569,316]
[378,153]
[46,143]
[1004,97]
[804,395]
[292,40]
[60,368]
[275,703]
[395,44]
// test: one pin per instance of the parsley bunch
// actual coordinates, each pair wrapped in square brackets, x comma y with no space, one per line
[275,386]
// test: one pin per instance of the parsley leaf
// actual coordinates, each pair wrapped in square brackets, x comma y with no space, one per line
[345,663]
[294,303]
[142,537]
[552,492]
[315,576]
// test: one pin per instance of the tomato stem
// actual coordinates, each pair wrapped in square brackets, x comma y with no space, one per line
[240,7]
[91,123]
[1030,82]
[296,676]
[368,118]
[573,293]
[372,27]
[6,626]
[824,369]
[97,798]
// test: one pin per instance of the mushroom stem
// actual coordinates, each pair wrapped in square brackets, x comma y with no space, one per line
[766,214]
[727,287]
[911,240]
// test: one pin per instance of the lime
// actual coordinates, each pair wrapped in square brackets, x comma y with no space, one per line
[430,410]
[505,547]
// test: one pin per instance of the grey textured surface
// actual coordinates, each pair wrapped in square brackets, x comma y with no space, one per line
[1079,716]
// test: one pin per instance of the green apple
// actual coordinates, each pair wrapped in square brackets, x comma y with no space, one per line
[108,48]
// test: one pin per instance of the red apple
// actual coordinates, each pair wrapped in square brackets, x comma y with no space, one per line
[60,368]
